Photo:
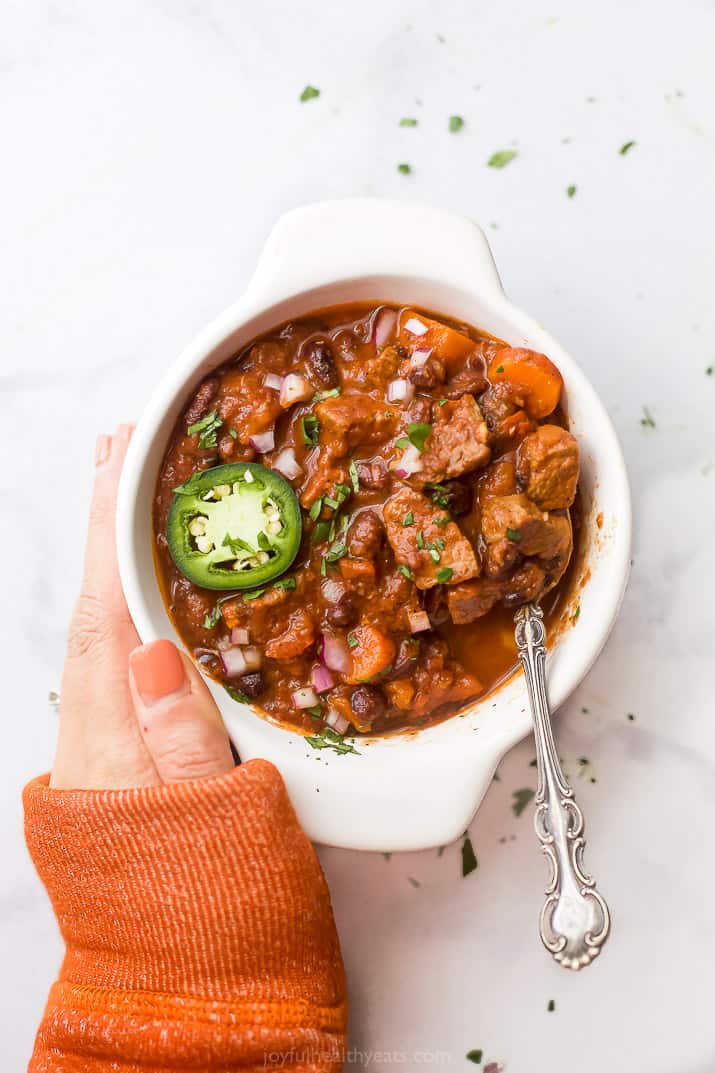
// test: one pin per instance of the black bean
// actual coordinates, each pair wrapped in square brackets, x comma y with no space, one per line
[201,401]
[251,684]
[428,375]
[367,703]
[321,363]
[342,613]
[365,534]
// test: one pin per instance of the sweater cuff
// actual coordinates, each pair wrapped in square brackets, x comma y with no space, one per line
[208,889]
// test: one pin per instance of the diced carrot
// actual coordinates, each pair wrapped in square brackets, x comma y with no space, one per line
[449,345]
[532,374]
[372,654]
[230,612]
[400,693]
[357,570]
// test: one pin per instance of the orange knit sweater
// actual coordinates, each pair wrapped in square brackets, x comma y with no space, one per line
[198,929]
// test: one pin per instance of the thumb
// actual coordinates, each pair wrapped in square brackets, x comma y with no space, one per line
[178,720]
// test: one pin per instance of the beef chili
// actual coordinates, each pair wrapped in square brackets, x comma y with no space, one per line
[349,511]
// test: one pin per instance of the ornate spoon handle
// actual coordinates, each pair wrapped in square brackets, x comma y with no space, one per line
[574,920]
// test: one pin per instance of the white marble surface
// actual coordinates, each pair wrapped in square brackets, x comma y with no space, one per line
[147,147]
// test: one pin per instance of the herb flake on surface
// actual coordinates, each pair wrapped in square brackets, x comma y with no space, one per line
[354,477]
[405,570]
[521,800]
[206,428]
[502,158]
[475,1056]
[309,430]
[408,519]
[330,739]
[418,432]
[248,596]
[469,857]
[444,574]
[404,169]
[212,618]
[647,420]
[626,148]
[408,121]
[571,191]
[456,122]
[236,694]
[513,534]
[551,1006]
[285,584]
[309,93]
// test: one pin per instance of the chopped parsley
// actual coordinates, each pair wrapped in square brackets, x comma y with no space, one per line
[213,618]
[709,370]
[408,121]
[285,584]
[233,434]
[551,1006]
[336,552]
[236,694]
[408,519]
[469,857]
[441,522]
[440,495]
[420,539]
[570,191]
[248,596]
[474,1056]
[513,534]
[626,147]
[576,613]
[521,800]
[434,553]
[314,512]
[456,122]
[444,574]
[352,640]
[502,158]
[405,570]
[402,443]
[190,487]
[442,402]
[315,711]
[354,478]
[332,394]
[332,503]
[404,169]
[500,369]
[322,532]
[418,433]
[647,420]
[330,739]
[309,93]
[310,429]
[207,428]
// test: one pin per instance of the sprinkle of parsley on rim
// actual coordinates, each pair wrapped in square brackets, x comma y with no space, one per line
[626,148]
[330,739]
[309,93]
[647,420]
[236,694]
[521,800]
[502,158]
[309,430]
[404,169]
[408,121]
[475,1056]
[571,190]
[456,122]
[469,857]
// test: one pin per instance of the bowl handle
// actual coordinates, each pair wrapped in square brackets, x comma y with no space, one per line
[332,241]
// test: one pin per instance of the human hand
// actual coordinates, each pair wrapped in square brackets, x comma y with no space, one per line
[130,714]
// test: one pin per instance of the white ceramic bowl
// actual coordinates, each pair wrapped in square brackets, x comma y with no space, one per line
[410,791]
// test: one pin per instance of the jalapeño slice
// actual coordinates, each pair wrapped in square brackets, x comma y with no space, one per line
[234,526]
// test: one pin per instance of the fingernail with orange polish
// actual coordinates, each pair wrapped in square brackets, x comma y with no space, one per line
[158,671]
[102,449]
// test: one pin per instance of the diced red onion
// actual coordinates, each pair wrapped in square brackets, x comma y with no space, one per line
[415,326]
[337,721]
[334,654]
[400,391]
[305,698]
[273,381]
[385,324]
[234,662]
[285,462]
[239,636]
[410,463]
[253,657]
[294,389]
[419,357]
[265,441]
[321,678]
[418,621]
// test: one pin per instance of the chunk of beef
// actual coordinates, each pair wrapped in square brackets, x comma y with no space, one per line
[421,541]
[499,478]
[298,635]
[201,402]
[548,466]
[507,420]
[476,598]
[349,420]
[528,582]
[365,534]
[457,443]
[516,520]
[426,374]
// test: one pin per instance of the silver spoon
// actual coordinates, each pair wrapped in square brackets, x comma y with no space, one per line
[575,920]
